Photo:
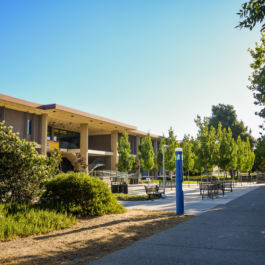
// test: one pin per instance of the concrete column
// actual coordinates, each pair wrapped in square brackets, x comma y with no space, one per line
[44,127]
[114,144]
[33,134]
[26,117]
[84,142]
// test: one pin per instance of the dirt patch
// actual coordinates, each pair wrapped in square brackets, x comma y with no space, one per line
[90,239]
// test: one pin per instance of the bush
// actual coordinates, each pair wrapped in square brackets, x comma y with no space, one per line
[22,169]
[81,192]
[21,219]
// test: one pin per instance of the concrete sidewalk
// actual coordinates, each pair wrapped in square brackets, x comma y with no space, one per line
[193,203]
[232,233]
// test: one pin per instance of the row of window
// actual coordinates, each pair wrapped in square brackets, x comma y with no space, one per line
[66,139]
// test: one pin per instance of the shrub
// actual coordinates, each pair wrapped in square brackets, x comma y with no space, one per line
[21,219]
[22,169]
[83,193]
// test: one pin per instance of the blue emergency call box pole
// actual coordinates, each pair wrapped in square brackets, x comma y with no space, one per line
[179,180]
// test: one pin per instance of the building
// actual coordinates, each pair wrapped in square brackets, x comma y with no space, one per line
[72,131]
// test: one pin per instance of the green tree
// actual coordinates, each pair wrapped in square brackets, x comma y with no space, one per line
[198,164]
[259,154]
[169,152]
[240,154]
[206,143]
[146,153]
[216,155]
[253,12]
[228,151]
[155,167]
[226,114]
[22,170]
[159,156]
[188,155]
[257,78]
[125,160]
[249,157]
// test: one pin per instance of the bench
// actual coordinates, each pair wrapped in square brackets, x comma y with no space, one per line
[153,190]
[246,179]
[210,190]
[227,185]
[210,180]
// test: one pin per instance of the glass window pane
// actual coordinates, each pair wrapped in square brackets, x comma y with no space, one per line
[29,127]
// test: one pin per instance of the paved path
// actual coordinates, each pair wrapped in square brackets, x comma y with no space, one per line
[193,203]
[231,233]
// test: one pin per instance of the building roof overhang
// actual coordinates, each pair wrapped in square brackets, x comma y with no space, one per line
[68,118]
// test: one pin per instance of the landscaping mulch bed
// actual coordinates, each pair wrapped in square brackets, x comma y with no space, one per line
[90,239]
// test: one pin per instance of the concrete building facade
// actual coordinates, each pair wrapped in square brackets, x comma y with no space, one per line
[72,130]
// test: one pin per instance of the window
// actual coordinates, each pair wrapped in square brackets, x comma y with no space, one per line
[49,133]
[29,126]
[67,139]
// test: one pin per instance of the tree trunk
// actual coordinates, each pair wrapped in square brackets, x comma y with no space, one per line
[188,178]
[201,176]
[148,177]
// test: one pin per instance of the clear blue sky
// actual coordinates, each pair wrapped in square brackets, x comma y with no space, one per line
[152,64]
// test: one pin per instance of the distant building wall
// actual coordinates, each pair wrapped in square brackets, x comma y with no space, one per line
[100,142]
[19,121]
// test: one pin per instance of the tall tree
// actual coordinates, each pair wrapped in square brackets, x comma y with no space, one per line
[240,154]
[257,78]
[217,154]
[146,153]
[188,155]
[198,164]
[169,152]
[206,139]
[159,156]
[125,160]
[228,151]
[253,12]
[249,157]
[226,114]
[259,153]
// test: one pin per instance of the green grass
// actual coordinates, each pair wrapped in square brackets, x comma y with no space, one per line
[191,182]
[21,220]
[131,197]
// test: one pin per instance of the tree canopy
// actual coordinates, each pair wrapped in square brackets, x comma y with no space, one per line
[146,153]
[124,149]
[226,114]
[257,77]
[169,152]
[252,12]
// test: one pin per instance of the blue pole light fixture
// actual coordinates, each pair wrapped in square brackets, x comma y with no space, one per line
[179,180]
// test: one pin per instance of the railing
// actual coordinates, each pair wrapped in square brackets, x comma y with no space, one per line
[66,145]
[108,174]
[98,162]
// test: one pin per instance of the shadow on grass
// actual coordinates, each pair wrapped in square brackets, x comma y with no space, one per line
[85,250]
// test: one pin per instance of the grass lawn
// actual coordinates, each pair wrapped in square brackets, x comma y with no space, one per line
[131,197]
[21,220]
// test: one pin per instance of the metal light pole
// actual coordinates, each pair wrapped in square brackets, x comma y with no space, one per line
[164,183]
